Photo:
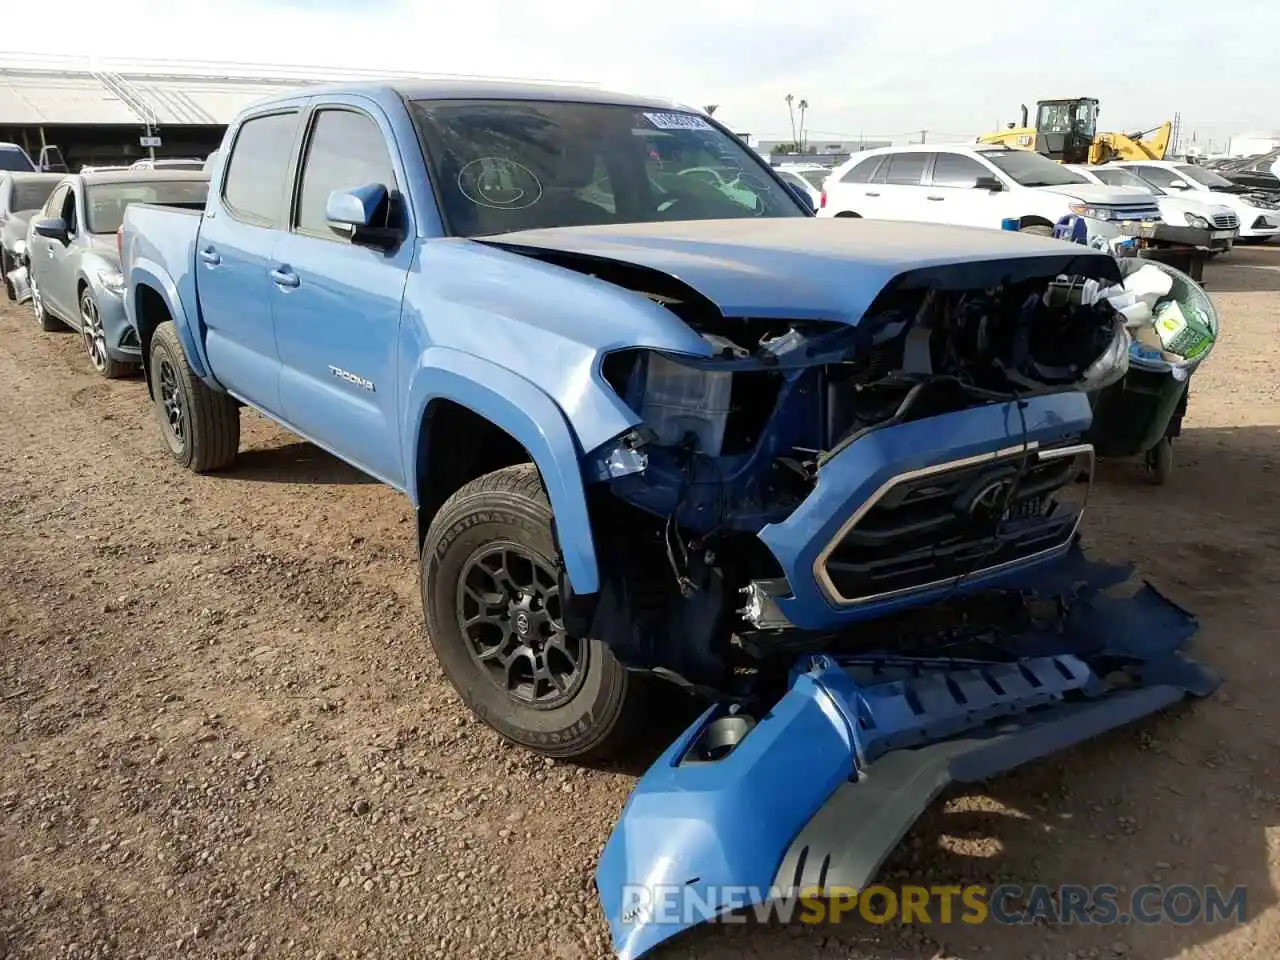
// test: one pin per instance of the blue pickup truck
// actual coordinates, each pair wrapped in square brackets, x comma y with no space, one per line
[662,427]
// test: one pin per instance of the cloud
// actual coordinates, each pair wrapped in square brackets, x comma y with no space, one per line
[878,66]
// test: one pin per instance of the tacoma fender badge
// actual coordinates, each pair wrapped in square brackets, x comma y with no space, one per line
[346,375]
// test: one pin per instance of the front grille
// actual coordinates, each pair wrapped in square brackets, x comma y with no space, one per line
[1137,213]
[1228,222]
[933,527]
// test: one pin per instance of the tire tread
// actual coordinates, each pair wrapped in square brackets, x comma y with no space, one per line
[616,728]
[214,417]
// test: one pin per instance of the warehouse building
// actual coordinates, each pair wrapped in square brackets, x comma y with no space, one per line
[99,114]
[102,116]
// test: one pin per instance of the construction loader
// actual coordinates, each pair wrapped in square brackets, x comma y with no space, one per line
[1066,131]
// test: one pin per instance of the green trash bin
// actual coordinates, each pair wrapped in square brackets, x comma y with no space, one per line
[1141,414]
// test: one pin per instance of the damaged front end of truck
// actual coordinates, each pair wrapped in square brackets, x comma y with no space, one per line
[859,534]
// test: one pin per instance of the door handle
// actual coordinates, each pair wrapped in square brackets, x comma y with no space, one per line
[870,194]
[284,277]
[937,198]
[211,256]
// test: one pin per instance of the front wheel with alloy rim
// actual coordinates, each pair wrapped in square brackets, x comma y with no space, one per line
[95,340]
[201,426]
[491,580]
[48,323]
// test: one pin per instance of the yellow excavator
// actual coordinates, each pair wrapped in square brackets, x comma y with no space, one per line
[1067,131]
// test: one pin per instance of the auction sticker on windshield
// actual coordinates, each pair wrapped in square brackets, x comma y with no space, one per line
[677,121]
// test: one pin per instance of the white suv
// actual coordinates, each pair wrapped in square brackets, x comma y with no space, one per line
[1259,215]
[980,186]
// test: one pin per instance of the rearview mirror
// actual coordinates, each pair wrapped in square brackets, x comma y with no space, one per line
[366,214]
[54,228]
[988,183]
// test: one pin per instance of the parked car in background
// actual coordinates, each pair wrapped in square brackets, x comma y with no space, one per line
[1259,215]
[979,186]
[1204,214]
[14,158]
[806,178]
[73,260]
[21,195]
[1260,173]
[175,163]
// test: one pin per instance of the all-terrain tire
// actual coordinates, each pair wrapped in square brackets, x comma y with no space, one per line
[206,434]
[5,267]
[509,506]
[1037,230]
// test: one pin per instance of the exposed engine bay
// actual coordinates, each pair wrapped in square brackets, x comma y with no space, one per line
[732,443]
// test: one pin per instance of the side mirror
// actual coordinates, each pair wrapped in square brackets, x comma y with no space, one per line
[1180,185]
[804,197]
[988,183]
[54,228]
[365,213]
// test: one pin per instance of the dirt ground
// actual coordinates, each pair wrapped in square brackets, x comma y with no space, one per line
[223,733]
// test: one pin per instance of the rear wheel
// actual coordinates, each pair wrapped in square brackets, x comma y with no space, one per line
[95,340]
[490,578]
[5,266]
[201,426]
[1037,230]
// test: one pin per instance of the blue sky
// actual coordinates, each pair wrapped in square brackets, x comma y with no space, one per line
[879,67]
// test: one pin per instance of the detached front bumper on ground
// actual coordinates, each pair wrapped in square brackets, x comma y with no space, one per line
[812,795]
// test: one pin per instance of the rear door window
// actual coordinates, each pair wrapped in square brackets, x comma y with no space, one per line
[257,180]
[907,169]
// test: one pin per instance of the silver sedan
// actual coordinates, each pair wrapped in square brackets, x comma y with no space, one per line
[74,265]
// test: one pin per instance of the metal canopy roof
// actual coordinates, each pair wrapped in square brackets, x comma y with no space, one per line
[33,97]
[56,89]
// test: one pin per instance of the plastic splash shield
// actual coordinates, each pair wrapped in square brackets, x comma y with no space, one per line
[814,793]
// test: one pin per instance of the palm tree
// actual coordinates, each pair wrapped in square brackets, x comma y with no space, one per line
[789,98]
[804,105]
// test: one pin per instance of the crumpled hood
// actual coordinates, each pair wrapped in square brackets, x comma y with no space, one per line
[805,268]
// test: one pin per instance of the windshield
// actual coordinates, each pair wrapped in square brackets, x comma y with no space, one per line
[1204,177]
[1086,119]
[12,158]
[521,164]
[1123,178]
[105,202]
[1031,169]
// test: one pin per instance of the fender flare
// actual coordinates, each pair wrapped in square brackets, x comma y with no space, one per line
[512,403]
[148,273]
